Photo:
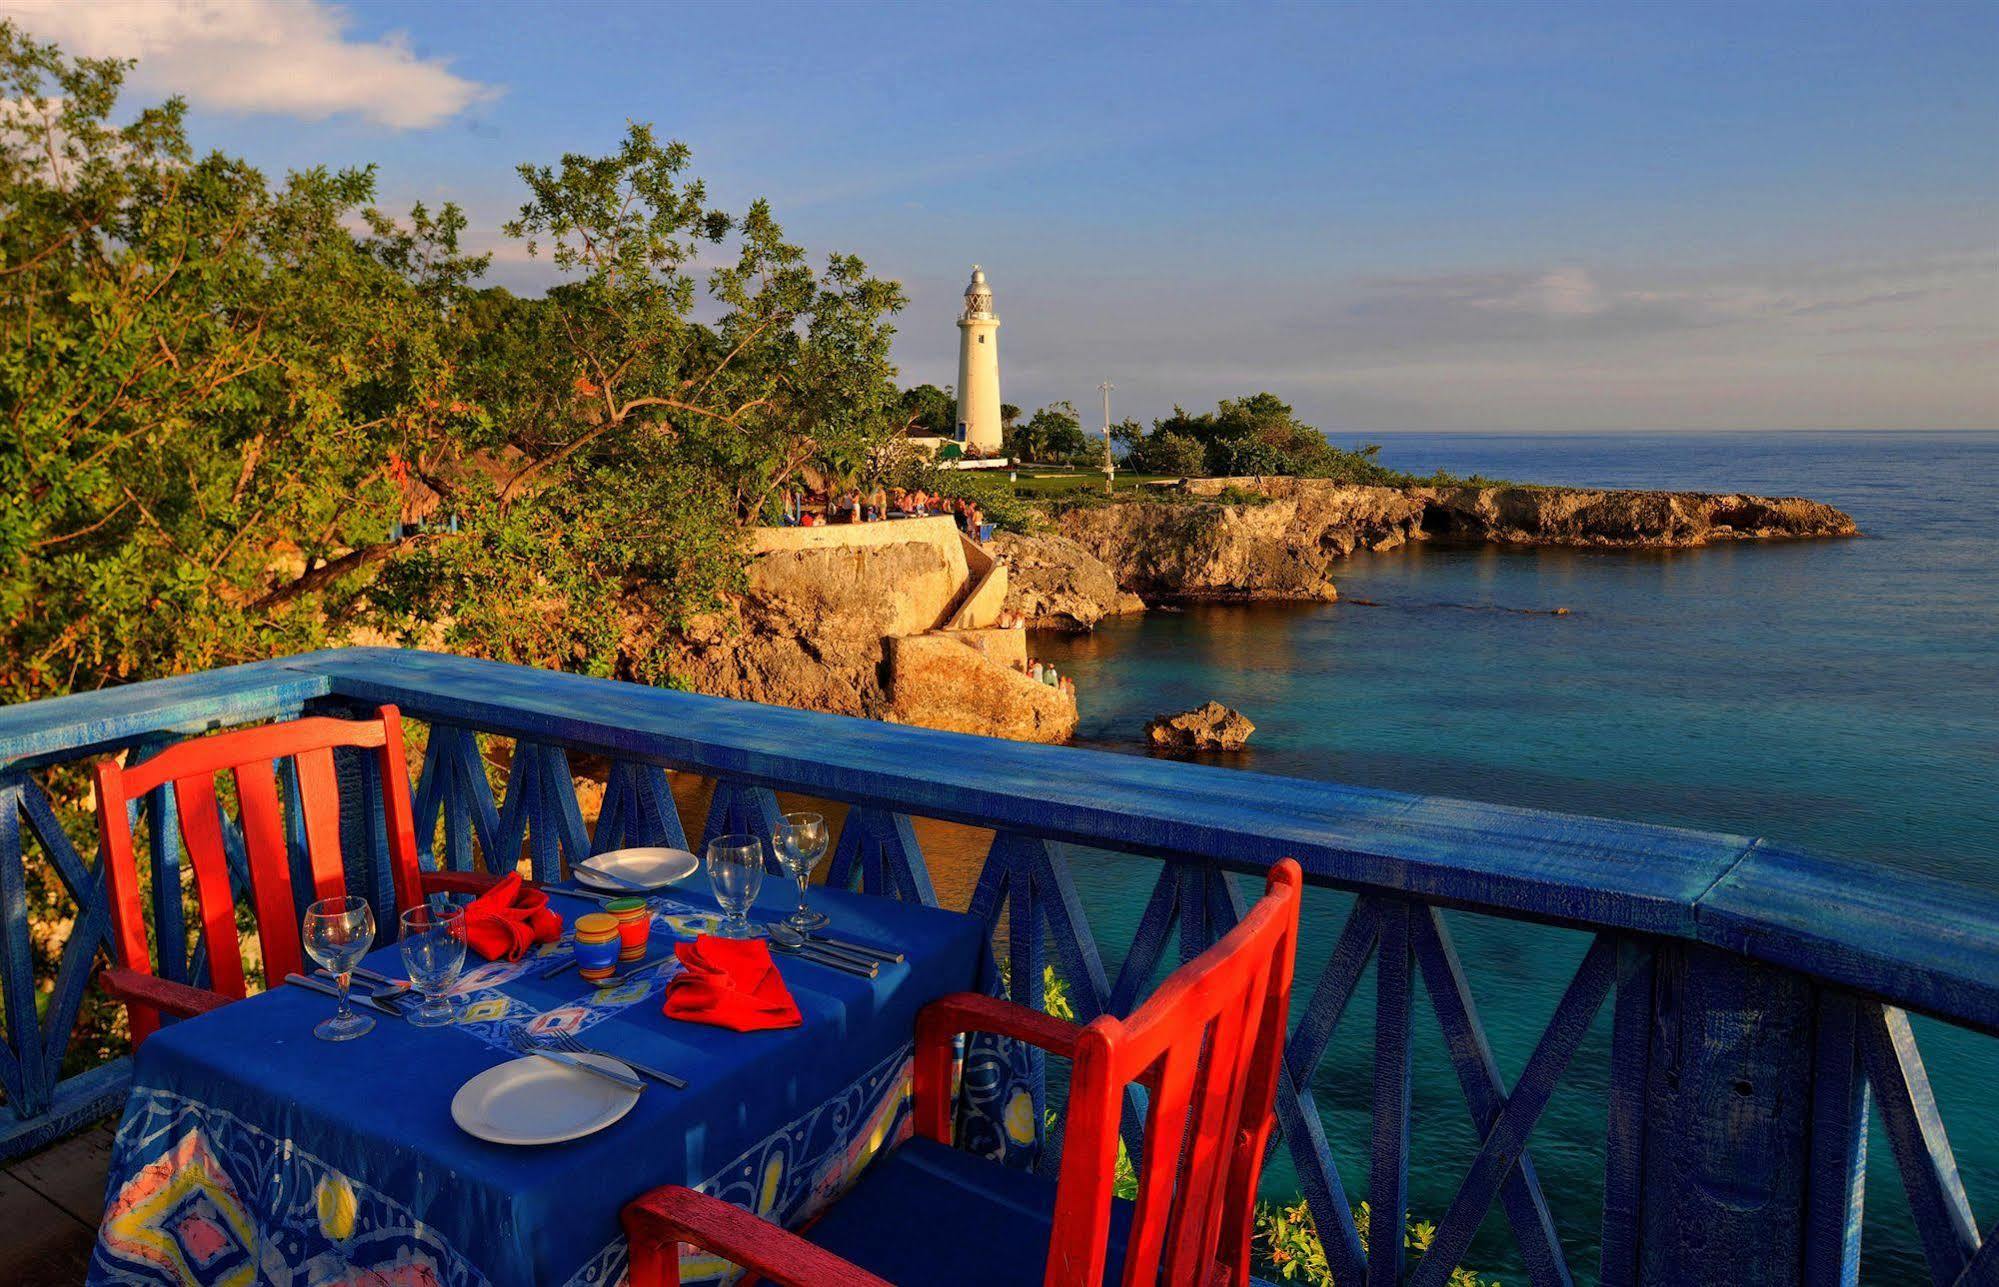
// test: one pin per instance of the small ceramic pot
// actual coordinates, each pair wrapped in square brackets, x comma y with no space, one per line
[596,945]
[634,926]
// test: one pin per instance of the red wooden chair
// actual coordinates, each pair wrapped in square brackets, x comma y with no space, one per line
[191,767]
[1207,1047]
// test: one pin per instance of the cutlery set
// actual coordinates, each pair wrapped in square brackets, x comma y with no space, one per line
[861,960]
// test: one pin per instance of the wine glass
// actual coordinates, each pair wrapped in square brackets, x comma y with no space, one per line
[433,945]
[338,933]
[798,840]
[736,872]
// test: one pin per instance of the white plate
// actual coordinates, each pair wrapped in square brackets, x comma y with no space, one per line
[532,1100]
[653,868]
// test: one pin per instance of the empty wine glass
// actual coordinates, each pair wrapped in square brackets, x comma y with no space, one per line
[433,946]
[338,933]
[736,872]
[798,840]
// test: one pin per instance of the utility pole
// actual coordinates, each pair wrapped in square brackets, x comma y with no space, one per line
[1110,466]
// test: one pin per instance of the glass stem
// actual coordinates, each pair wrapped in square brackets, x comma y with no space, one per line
[342,1012]
[804,877]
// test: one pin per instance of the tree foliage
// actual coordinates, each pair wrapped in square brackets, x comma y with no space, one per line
[1052,435]
[204,377]
[1259,434]
[927,409]
[247,417]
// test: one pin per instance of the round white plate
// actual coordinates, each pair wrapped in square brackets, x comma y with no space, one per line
[653,868]
[532,1100]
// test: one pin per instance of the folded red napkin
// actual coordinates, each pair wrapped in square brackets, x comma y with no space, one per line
[508,919]
[731,983]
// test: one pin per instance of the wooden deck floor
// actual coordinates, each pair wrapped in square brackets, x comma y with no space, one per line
[49,1203]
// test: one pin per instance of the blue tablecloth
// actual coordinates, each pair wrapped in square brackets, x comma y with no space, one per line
[252,1152]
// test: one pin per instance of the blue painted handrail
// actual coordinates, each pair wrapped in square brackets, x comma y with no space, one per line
[1700,940]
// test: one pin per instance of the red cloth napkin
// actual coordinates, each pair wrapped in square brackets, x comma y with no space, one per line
[731,983]
[508,919]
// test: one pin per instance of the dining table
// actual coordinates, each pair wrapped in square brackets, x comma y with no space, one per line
[250,1151]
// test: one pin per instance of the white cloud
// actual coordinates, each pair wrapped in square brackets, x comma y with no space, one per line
[289,57]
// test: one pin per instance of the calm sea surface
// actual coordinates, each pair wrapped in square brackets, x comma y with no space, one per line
[1840,696]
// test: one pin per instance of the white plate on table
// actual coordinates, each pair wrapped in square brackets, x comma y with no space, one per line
[532,1100]
[652,868]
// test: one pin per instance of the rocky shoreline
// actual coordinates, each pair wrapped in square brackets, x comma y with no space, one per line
[1280,538]
[908,622]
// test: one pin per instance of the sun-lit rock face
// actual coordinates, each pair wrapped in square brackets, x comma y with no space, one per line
[939,682]
[1209,727]
[825,610]
[1280,538]
[1056,584]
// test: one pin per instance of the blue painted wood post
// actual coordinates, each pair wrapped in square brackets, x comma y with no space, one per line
[1388,1175]
[877,853]
[1728,1122]
[1624,1124]
[1839,1147]
[1901,1085]
[22,1072]
[737,808]
[638,810]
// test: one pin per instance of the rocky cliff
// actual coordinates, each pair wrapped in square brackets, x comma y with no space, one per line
[822,616]
[1249,538]
[1056,584]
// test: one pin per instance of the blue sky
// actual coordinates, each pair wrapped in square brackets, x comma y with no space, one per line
[1396,216]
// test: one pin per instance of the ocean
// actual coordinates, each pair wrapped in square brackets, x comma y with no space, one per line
[1840,696]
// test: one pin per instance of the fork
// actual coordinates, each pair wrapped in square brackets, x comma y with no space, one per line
[567,1042]
[528,1045]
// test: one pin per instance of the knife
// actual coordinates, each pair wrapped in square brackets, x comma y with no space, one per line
[882,954]
[570,1061]
[361,999]
[620,881]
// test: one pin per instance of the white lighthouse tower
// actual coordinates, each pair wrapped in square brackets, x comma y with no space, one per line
[978,370]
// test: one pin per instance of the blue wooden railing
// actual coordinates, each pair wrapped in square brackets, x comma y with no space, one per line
[1758,997]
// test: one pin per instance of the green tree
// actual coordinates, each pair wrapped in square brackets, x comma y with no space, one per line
[1052,434]
[209,385]
[927,409]
[640,442]
[1261,434]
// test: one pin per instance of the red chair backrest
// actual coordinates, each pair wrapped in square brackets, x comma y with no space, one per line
[1207,1046]
[191,767]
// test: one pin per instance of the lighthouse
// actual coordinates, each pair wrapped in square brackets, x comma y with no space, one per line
[978,370]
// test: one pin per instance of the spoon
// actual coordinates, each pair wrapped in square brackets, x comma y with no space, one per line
[789,941]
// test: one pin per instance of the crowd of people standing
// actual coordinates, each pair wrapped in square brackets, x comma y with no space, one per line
[877,504]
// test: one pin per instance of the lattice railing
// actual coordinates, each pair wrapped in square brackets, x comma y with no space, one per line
[1754,997]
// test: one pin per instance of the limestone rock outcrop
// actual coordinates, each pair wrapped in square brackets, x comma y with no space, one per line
[1629,519]
[1278,538]
[1210,727]
[1056,584]
[939,682]
[822,619]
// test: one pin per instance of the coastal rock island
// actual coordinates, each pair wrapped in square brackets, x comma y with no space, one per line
[1279,538]
[1208,727]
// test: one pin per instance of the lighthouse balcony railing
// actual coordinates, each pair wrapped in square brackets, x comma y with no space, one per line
[1751,1005]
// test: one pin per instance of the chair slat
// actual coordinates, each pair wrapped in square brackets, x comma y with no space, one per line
[201,832]
[270,868]
[288,841]
[1165,1127]
[319,794]
[207,756]
[1216,1107]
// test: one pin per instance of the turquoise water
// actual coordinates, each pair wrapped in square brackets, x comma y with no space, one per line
[1840,696]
